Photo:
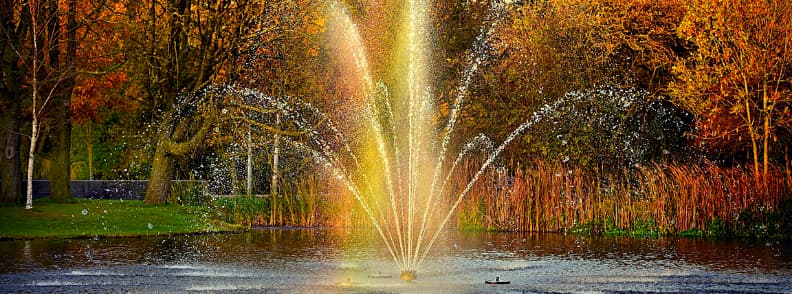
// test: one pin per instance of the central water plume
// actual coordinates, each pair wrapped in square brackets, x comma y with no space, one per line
[395,169]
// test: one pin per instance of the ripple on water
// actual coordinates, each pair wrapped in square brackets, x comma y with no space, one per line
[55,283]
[94,273]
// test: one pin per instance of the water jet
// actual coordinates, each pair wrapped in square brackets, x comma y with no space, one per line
[408,276]
[397,169]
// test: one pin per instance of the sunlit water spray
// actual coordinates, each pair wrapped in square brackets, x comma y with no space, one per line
[396,170]
[388,214]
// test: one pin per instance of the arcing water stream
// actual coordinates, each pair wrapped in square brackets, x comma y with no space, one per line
[402,193]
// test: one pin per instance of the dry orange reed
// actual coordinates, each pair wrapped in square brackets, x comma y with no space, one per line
[554,197]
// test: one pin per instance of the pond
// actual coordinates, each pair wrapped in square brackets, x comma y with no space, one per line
[342,261]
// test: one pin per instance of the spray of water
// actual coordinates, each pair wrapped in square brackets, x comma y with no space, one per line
[405,178]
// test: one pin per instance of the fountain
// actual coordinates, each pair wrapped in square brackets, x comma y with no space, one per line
[398,171]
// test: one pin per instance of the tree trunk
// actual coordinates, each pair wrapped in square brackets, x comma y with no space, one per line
[31,157]
[274,184]
[10,109]
[60,176]
[754,147]
[10,168]
[89,145]
[788,168]
[766,138]
[235,185]
[60,173]
[175,141]
[249,189]
[35,112]
[162,171]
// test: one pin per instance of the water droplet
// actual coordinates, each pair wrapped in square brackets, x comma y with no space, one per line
[84,211]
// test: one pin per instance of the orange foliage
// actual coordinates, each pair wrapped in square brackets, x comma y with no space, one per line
[99,83]
[738,81]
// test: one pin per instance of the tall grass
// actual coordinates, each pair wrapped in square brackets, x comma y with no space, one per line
[244,210]
[301,202]
[304,202]
[674,198]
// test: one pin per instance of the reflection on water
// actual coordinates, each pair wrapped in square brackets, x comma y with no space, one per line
[328,260]
[711,254]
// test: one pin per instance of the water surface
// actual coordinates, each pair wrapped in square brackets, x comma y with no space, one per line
[340,261]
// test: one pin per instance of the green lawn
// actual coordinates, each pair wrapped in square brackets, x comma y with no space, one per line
[109,218]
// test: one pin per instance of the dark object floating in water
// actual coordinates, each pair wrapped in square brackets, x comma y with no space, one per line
[380,276]
[497,281]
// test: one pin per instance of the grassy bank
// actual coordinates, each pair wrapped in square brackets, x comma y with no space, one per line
[110,218]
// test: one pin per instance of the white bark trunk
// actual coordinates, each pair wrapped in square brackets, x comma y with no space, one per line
[34,85]
[249,189]
[29,198]
[275,155]
[274,183]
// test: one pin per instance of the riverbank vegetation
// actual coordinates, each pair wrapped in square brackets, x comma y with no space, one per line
[654,200]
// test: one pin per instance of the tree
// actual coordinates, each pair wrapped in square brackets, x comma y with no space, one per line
[41,62]
[62,59]
[549,50]
[181,49]
[49,74]
[738,82]
[101,87]
[185,50]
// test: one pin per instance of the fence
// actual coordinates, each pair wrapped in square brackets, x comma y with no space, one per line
[101,189]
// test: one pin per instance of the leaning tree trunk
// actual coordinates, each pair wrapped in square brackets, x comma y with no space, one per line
[174,142]
[162,171]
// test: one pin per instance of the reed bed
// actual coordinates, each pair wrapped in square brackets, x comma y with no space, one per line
[305,202]
[553,197]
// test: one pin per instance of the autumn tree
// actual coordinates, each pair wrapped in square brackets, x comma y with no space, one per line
[638,37]
[44,50]
[545,51]
[44,55]
[184,49]
[738,80]
[102,86]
